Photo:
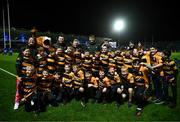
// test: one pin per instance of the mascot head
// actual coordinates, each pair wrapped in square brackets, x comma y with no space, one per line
[44,41]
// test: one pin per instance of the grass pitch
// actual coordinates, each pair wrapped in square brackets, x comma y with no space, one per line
[73,110]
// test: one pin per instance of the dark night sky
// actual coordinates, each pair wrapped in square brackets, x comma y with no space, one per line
[144,17]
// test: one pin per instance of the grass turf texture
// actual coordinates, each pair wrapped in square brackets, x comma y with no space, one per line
[73,110]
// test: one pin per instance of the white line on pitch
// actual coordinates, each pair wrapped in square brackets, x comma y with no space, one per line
[8,72]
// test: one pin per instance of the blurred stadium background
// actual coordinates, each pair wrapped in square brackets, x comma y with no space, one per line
[19,38]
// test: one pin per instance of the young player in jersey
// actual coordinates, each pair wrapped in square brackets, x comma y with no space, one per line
[45,84]
[91,83]
[69,57]
[117,87]
[60,60]
[78,84]
[104,87]
[41,61]
[96,64]
[23,60]
[51,61]
[141,86]
[87,61]
[170,80]
[67,83]
[128,82]
[157,76]
[104,58]
[29,89]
